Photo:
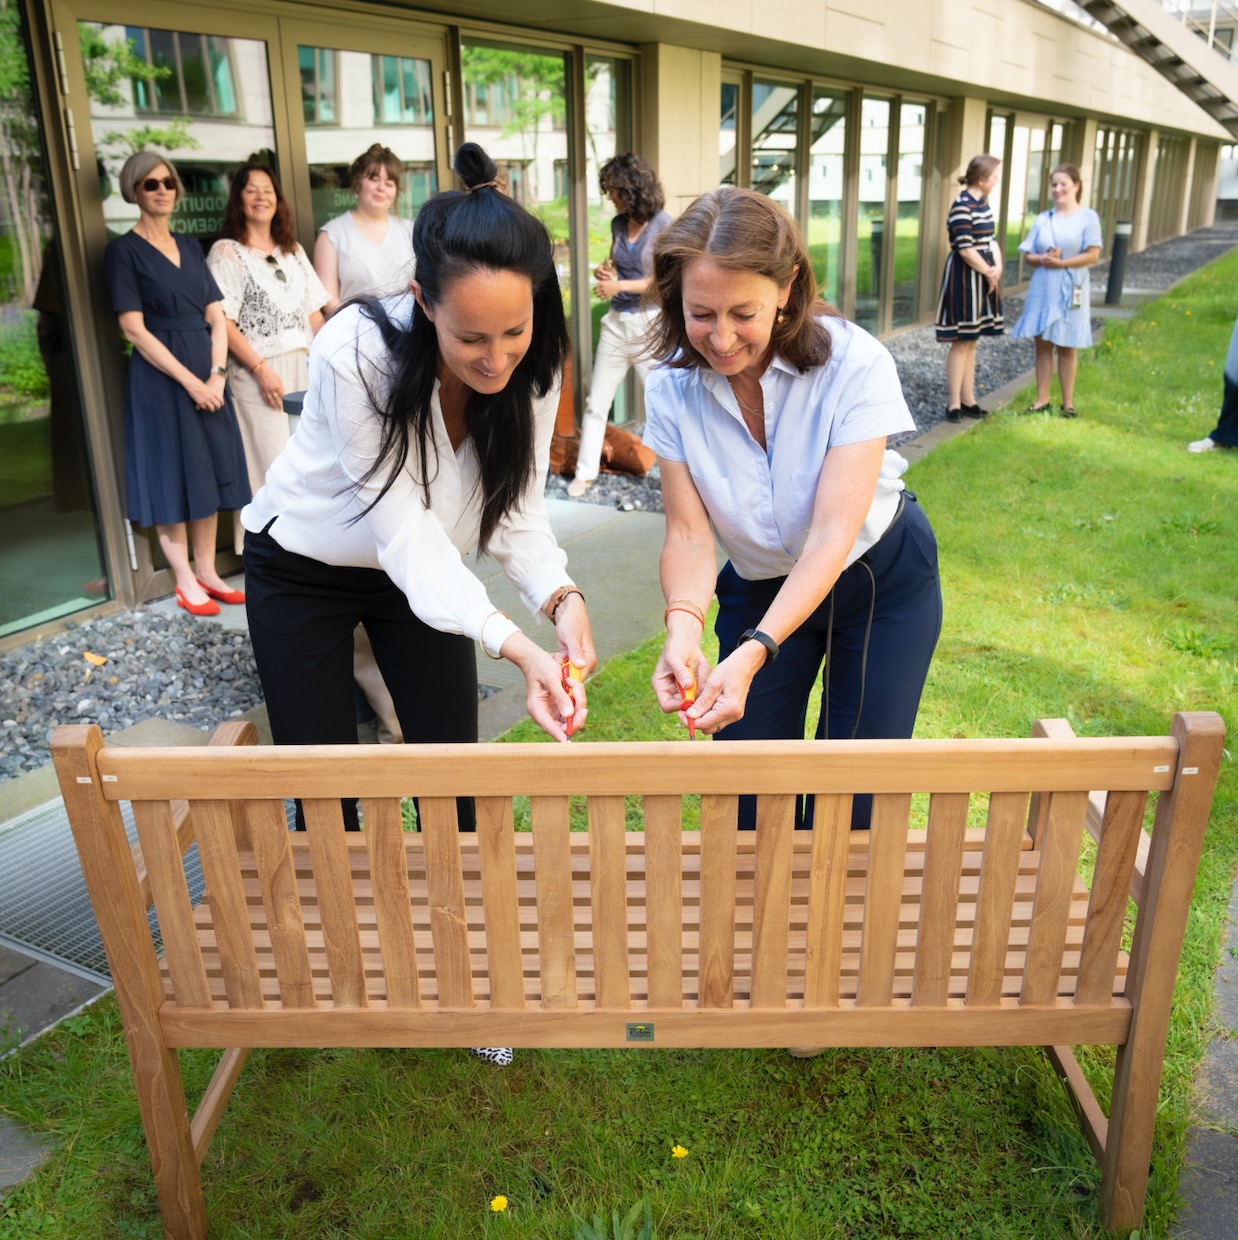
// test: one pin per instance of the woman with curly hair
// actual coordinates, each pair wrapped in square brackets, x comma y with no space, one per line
[634,189]
[272,302]
[769,417]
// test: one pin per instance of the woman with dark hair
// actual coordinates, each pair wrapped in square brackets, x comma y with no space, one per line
[769,418]
[183,456]
[425,432]
[368,250]
[1057,312]
[633,188]
[970,303]
[272,301]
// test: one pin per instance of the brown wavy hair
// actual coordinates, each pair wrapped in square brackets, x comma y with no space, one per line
[978,169]
[637,185]
[234,225]
[744,231]
[1069,170]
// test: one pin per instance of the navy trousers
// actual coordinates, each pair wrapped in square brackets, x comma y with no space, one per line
[301,618]
[880,624]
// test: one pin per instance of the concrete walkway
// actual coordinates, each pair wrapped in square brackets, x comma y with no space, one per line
[613,556]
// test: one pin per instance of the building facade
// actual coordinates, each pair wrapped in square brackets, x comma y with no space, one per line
[856,115]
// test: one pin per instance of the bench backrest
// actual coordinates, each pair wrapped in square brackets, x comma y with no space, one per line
[970,934]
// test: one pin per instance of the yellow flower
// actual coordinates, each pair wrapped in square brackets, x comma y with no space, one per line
[499,1204]
[1153,323]
[678,1151]
[1188,312]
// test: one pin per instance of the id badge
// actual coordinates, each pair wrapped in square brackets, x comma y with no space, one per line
[1076,297]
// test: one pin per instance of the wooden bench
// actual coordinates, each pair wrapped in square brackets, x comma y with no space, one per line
[940,934]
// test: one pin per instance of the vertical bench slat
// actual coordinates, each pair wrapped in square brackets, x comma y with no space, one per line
[225,894]
[337,903]
[166,873]
[1055,882]
[717,965]
[664,899]
[1115,862]
[272,845]
[883,897]
[939,899]
[831,842]
[496,848]
[608,884]
[385,841]
[445,894]
[556,936]
[999,870]
[771,913]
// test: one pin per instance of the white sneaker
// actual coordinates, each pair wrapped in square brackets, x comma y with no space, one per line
[500,1056]
[1200,445]
[578,486]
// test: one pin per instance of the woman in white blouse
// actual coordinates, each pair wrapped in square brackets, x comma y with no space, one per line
[770,421]
[272,302]
[368,250]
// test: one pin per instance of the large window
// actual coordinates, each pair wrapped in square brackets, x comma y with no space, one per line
[1030,147]
[403,93]
[319,93]
[827,165]
[1113,177]
[871,227]
[775,140]
[193,73]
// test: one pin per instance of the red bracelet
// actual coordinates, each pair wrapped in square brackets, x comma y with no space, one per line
[690,610]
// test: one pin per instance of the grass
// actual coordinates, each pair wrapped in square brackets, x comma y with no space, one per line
[1088,572]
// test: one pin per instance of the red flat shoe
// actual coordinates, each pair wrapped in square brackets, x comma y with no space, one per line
[196,609]
[224,596]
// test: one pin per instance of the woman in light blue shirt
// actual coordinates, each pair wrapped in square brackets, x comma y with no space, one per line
[770,421]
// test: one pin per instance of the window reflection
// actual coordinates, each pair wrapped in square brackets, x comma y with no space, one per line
[870,239]
[775,141]
[909,190]
[728,136]
[194,73]
[826,182]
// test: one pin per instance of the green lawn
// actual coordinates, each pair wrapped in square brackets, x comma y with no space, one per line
[1088,571]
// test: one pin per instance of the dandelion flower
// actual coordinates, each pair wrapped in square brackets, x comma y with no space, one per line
[499,1204]
[1188,312]
[678,1151]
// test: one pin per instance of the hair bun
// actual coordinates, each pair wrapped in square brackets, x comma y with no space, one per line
[473,166]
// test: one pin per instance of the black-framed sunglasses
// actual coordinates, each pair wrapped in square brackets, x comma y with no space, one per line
[153,183]
[279,271]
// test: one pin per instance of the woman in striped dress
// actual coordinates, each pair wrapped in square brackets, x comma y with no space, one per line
[970,305]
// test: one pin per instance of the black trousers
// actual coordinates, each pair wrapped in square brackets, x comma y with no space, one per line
[301,618]
[880,625]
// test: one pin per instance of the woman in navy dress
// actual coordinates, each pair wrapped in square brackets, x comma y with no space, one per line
[184,457]
[970,303]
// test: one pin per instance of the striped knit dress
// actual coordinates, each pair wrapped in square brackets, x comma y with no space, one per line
[966,309]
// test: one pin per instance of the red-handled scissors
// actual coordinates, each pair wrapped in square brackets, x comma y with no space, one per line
[571,673]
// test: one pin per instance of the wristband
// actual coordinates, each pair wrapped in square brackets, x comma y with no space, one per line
[258,365]
[771,646]
[550,608]
[685,605]
[220,370]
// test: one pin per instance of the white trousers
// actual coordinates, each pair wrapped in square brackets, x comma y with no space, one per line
[620,343]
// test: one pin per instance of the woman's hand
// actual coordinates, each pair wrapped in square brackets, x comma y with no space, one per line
[549,704]
[271,385]
[721,698]
[207,396]
[680,666]
[574,634]
[606,289]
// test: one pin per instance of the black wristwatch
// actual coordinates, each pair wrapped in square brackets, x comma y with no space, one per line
[771,646]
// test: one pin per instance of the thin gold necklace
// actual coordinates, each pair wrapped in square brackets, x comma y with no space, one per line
[756,413]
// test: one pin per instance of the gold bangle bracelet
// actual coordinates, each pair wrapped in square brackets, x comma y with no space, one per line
[481,636]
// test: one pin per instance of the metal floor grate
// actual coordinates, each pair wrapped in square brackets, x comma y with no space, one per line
[43,899]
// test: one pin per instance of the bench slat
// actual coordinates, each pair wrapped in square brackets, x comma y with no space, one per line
[1059,862]
[226,896]
[883,896]
[939,901]
[772,900]
[445,896]
[384,838]
[281,901]
[553,862]
[999,876]
[1120,838]
[717,900]
[324,829]
[496,851]
[664,899]
[609,890]
[826,906]
[165,874]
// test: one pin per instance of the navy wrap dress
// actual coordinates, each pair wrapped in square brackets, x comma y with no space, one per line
[181,463]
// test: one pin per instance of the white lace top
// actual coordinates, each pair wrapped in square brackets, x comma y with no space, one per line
[271,313]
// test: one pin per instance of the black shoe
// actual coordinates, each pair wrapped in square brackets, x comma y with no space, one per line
[974,411]
[954,415]
[1045,408]
[1068,411]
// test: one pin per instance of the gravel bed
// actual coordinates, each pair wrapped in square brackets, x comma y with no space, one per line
[175,667]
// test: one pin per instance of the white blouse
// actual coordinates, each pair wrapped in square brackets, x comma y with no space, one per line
[367,268]
[268,296]
[311,492]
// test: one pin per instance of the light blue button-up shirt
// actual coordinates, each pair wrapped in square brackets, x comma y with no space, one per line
[760,502]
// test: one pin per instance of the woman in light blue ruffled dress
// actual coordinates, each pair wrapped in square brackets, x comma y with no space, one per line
[1063,243]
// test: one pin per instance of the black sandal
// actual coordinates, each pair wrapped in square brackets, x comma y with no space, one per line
[1068,411]
[1045,408]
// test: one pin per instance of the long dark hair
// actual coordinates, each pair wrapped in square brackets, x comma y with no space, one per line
[457,233]
[235,225]
[744,231]
[637,185]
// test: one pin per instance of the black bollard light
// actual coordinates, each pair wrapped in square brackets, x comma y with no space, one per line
[1117,262]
